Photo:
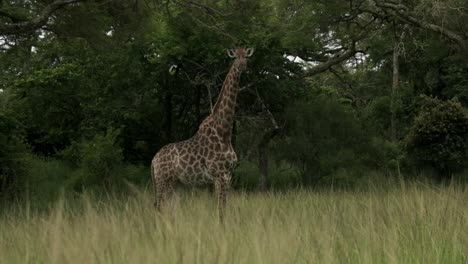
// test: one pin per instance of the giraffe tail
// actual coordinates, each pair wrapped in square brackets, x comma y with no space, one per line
[153,181]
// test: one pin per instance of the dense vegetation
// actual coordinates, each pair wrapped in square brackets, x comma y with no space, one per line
[335,90]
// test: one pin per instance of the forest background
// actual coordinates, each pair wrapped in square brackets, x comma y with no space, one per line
[338,93]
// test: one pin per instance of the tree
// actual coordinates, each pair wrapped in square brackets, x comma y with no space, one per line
[12,155]
[409,15]
[439,136]
[322,136]
[15,18]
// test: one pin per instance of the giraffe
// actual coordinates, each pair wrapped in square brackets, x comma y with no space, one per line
[208,156]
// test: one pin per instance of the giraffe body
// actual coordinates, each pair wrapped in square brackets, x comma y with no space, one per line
[193,162]
[208,156]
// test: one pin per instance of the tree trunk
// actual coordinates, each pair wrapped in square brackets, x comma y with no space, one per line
[395,86]
[263,157]
[263,145]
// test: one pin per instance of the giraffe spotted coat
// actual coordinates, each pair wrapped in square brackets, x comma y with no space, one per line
[208,156]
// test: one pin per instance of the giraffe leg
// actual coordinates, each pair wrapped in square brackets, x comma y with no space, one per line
[159,189]
[220,190]
[155,187]
[164,190]
[159,194]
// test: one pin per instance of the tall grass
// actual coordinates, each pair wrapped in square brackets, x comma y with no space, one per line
[410,224]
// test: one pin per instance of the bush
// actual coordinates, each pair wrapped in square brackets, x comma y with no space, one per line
[385,155]
[439,136]
[135,174]
[12,156]
[46,179]
[321,137]
[283,175]
[246,175]
[98,159]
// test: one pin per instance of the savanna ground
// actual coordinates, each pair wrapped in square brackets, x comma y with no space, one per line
[411,223]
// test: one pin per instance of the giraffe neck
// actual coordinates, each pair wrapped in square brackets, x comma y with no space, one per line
[224,109]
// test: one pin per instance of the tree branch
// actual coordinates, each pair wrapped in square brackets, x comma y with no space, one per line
[12,17]
[37,22]
[400,12]
[322,67]
[339,58]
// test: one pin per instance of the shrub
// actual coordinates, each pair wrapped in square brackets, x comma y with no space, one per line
[135,174]
[281,175]
[385,155]
[246,175]
[284,175]
[99,160]
[12,156]
[439,136]
[321,137]
[45,179]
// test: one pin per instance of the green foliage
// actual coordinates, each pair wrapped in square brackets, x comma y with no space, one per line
[246,175]
[439,135]
[322,136]
[281,176]
[132,174]
[13,154]
[99,160]
[284,176]
[49,103]
[454,77]
[46,179]
[378,112]
[385,155]
[105,65]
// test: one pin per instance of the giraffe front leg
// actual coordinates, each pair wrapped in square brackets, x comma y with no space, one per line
[221,188]
[221,197]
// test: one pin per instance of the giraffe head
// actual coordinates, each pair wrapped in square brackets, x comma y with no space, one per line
[241,55]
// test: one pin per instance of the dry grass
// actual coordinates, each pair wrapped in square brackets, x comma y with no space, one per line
[412,224]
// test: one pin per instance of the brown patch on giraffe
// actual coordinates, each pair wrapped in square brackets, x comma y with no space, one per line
[217,147]
[212,138]
[210,155]
[192,159]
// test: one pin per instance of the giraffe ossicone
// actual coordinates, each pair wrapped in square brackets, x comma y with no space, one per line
[208,156]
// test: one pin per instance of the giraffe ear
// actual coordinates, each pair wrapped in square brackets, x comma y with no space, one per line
[231,53]
[249,52]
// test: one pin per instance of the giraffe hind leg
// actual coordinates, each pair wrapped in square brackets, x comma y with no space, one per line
[164,191]
[155,189]
[158,187]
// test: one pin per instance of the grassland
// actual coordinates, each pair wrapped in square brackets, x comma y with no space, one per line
[415,223]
